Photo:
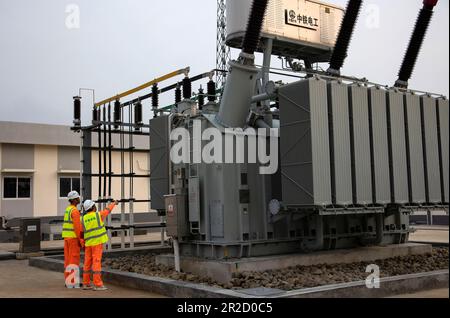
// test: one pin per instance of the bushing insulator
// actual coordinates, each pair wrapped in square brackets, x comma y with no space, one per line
[138,113]
[345,35]
[415,44]
[187,88]
[177,95]
[77,111]
[201,98]
[254,26]
[155,96]
[117,113]
[96,114]
[211,91]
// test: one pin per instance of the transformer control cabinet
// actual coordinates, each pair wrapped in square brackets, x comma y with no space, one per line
[176,215]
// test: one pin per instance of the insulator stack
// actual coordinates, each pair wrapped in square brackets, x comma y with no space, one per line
[254,26]
[155,96]
[117,113]
[77,111]
[178,95]
[201,98]
[104,115]
[96,114]
[211,91]
[187,88]
[345,36]
[415,44]
[138,114]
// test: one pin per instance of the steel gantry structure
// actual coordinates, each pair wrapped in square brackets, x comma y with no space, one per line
[223,51]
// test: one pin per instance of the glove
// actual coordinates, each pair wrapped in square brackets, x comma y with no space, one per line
[111,201]
[82,243]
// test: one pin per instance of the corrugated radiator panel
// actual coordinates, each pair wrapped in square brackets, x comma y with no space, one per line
[416,163]
[359,115]
[443,107]
[349,144]
[305,153]
[430,137]
[397,138]
[340,132]
[377,102]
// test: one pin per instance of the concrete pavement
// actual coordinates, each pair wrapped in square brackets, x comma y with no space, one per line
[18,280]
[431,234]
[435,293]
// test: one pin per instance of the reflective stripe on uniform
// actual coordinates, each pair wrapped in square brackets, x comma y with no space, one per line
[95,237]
[92,230]
[97,215]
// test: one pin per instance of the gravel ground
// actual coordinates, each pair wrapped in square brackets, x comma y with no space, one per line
[295,277]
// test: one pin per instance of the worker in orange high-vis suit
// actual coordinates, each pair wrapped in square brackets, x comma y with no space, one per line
[72,239]
[95,236]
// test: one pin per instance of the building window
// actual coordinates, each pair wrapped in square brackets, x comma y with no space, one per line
[68,184]
[16,188]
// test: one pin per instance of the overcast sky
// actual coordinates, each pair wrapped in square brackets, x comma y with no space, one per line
[121,44]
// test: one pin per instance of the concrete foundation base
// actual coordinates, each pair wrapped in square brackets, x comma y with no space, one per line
[390,286]
[24,256]
[222,271]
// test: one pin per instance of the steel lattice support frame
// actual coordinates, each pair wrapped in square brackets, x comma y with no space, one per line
[223,51]
[125,131]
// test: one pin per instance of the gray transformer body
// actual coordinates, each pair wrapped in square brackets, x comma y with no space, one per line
[353,161]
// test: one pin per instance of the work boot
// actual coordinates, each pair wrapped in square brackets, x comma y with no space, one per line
[88,287]
[100,288]
[72,286]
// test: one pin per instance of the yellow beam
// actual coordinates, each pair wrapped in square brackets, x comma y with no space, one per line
[143,86]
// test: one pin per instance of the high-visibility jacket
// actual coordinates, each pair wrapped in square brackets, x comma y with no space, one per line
[94,229]
[68,225]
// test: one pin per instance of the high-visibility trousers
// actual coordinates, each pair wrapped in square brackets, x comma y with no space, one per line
[71,256]
[93,265]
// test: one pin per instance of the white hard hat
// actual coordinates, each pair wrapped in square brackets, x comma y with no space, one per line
[88,204]
[73,195]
